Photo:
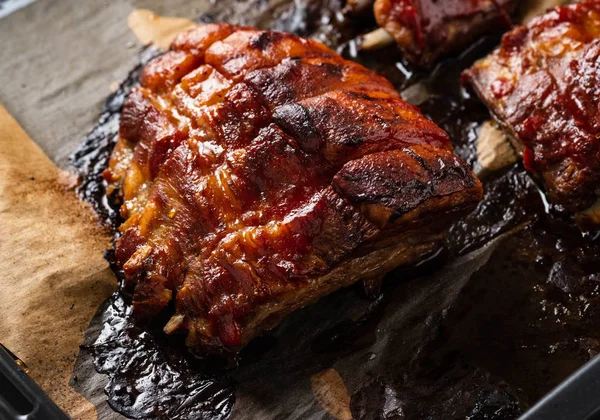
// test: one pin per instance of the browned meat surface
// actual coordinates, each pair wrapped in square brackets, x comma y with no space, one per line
[542,85]
[260,171]
[426,30]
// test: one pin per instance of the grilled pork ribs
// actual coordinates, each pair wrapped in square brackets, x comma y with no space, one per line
[260,171]
[426,30]
[541,85]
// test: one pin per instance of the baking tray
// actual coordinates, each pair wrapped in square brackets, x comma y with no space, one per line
[576,398]
[20,397]
[355,337]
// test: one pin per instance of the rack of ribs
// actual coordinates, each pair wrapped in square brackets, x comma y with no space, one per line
[259,171]
[426,30]
[541,85]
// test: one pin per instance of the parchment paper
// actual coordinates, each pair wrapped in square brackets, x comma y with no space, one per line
[54,275]
[58,61]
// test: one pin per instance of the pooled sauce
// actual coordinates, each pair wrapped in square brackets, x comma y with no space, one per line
[483,329]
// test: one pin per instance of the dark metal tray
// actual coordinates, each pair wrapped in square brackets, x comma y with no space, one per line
[496,326]
[577,398]
[20,397]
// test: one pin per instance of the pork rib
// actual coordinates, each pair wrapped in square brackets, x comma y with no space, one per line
[541,84]
[260,171]
[426,30]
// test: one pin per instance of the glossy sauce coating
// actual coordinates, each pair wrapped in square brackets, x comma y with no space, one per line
[227,163]
[542,85]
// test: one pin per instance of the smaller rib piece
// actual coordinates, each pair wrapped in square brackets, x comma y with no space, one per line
[541,85]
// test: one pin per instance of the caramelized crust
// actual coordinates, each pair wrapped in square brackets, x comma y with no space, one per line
[426,30]
[542,84]
[260,171]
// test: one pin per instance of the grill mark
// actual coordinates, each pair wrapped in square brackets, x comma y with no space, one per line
[295,121]
[263,40]
[419,159]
